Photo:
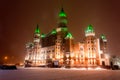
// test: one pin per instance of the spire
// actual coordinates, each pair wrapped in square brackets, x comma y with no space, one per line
[62,18]
[37,30]
[62,13]
[37,35]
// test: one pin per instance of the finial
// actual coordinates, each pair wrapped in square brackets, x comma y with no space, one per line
[61,4]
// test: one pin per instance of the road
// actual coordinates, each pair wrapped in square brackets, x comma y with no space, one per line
[58,74]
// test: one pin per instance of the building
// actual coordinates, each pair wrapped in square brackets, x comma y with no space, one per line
[58,49]
[115,62]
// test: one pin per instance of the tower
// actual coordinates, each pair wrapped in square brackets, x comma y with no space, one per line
[36,49]
[103,43]
[62,19]
[90,47]
[89,31]
[103,49]
[33,50]
[61,33]
[37,35]
[69,51]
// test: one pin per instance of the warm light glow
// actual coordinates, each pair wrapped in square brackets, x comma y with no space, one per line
[58,45]
[5,58]
[99,68]
[107,56]
[72,54]
[76,56]
[61,56]
[67,55]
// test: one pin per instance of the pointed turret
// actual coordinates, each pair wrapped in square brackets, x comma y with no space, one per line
[37,34]
[62,13]
[37,30]
[69,36]
[62,19]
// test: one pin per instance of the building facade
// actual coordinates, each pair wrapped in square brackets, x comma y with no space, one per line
[58,49]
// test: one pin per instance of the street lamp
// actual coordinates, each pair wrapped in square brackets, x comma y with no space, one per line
[5,58]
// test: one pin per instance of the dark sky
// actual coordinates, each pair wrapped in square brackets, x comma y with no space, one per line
[18,20]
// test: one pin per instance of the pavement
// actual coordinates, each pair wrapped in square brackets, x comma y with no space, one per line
[59,74]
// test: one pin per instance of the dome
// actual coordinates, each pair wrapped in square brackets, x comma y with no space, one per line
[89,29]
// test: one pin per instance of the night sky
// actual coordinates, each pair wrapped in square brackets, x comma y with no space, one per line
[18,20]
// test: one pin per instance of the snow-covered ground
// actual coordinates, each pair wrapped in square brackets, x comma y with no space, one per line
[58,74]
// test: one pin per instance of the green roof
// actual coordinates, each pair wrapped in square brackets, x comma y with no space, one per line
[54,31]
[65,29]
[62,13]
[69,35]
[37,30]
[89,29]
[43,35]
[103,36]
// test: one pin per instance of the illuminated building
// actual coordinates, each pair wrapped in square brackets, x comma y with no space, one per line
[57,48]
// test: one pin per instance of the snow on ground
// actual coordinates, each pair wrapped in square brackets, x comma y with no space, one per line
[58,74]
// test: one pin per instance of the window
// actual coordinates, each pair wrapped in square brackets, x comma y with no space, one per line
[81,49]
[89,48]
[81,55]
[88,42]
[92,41]
[53,50]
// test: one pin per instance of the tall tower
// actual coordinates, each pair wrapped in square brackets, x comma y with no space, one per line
[33,50]
[103,43]
[62,31]
[105,58]
[90,47]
